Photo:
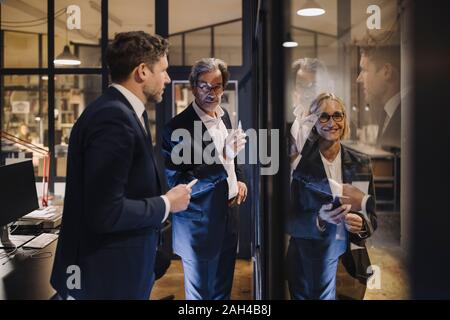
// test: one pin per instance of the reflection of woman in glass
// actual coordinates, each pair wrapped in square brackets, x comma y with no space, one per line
[327,211]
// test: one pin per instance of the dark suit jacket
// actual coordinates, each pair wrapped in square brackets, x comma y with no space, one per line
[198,232]
[390,137]
[310,190]
[112,208]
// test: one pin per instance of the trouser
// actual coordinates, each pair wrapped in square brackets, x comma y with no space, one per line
[311,272]
[210,279]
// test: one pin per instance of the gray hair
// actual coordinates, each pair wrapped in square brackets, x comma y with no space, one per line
[311,65]
[208,65]
[316,67]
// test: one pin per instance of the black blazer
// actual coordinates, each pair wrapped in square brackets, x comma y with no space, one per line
[112,209]
[310,190]
[390,137]
[198,232]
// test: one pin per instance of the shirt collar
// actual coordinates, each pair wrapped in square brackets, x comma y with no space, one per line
[136,103]
[206,117]
[392,105]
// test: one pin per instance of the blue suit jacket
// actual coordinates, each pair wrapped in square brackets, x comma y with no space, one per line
[310,190]
[112,208]
[198,232]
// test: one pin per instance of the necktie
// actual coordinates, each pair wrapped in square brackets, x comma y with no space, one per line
[386,122]
[147,127]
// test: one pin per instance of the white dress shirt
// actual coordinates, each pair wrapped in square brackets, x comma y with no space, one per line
[218,132]
[333,170]
[139,108]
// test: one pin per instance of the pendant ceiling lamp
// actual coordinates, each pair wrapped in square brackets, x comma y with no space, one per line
[66,58]
[311,9]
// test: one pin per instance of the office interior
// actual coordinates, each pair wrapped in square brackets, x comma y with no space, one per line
[41,100]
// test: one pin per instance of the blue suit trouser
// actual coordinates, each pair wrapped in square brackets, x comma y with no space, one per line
[211,279]
[311,272]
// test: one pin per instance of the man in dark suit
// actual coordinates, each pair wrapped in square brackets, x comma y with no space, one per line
[205,235]
[114,202]
[380,77]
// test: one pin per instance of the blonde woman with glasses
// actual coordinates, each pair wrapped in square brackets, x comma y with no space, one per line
[328,212]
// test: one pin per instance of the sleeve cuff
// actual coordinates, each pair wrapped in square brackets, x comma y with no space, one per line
[364,203]
[166,214]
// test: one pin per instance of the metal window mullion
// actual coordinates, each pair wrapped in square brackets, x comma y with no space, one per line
[104,42]
[51,90]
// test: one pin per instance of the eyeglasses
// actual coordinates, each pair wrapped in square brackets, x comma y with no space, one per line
[337,116]
[206,87]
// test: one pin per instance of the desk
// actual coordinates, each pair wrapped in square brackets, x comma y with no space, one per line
[385,172]
[27,275]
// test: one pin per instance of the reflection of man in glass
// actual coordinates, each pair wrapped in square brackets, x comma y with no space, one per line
[380,77]
[310,79]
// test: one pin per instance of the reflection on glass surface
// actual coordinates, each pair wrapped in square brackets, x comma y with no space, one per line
[24,32]
[151,111]
[25,114]
[176,50]
[131,15]
[228,43]
[85,42]
[306,43]
[198,45]
[365,69]
[22,50]
[72,95]
[220,28]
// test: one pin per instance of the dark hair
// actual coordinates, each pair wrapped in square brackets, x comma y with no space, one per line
[208,65]
[129,49]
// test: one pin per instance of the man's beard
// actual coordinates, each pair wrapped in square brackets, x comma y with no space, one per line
[152,95]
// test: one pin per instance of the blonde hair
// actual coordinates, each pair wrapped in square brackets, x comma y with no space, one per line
[317,104]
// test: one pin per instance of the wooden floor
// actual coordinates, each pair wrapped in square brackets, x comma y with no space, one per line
[384,251]
[172,282]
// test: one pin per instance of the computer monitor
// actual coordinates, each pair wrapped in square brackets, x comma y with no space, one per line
[18,195]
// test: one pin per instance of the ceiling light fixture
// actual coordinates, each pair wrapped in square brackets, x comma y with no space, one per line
[311,9]
[66,58]
[289,42]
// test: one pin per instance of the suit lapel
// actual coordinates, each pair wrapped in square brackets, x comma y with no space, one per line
[146,134]
[192,118]
[312,171]
[226,120]
[348,166]
[119,96]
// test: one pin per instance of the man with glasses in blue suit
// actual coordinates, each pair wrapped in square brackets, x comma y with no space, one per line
[205,235]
